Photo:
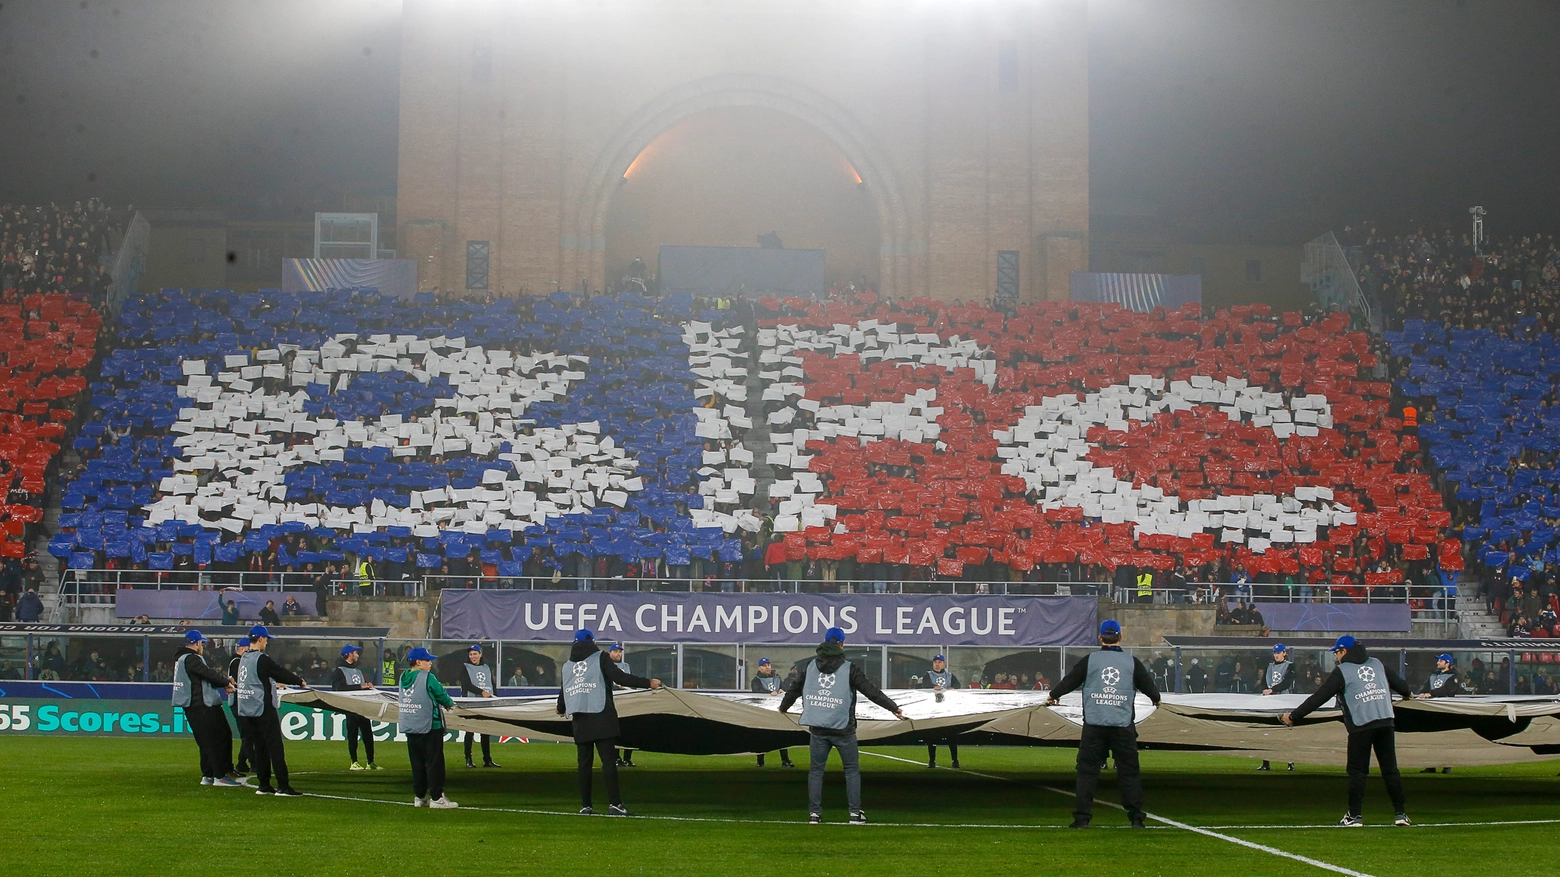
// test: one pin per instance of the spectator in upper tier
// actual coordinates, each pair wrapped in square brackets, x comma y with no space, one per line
[30,608]
[230,614]
[268,614]
[291,606]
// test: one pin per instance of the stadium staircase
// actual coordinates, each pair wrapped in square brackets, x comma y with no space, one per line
[757,439]
[1473,620]
[48,564]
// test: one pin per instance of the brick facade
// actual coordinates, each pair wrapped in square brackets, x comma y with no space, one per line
[968,123]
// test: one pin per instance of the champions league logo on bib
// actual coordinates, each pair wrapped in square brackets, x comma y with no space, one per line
[1368,676]
[826,683]
[1110,676]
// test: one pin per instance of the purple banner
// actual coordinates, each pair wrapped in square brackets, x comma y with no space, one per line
[1337,617]
[130,602]
[867,619]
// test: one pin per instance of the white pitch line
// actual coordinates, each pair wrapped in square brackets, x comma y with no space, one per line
[1206,832]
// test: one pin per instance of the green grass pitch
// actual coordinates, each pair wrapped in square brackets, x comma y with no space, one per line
[88,807]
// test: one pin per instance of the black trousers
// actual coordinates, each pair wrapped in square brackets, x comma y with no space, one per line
[609,772]
[931,751]
[427,755]
[246,747]
[265,733]
[360,727]
[487,746]
[209,726]
[1384,742]
[785,757]
[1120,743]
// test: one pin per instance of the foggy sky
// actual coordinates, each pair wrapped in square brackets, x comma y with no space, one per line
[1232,118]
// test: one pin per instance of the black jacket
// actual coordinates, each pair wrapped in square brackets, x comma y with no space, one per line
[1142,679]
[590,727]
[757,687]
[1288,683]
[1332,687]
[469,690]
[270,672]
[1449,688]
[199,669]
[829,660]
[338,681]
[953,682]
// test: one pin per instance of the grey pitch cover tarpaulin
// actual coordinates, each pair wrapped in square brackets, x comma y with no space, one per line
[867,619]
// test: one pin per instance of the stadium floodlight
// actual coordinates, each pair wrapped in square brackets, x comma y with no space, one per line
[1477,213]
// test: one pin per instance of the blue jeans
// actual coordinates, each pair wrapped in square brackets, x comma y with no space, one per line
[818,756]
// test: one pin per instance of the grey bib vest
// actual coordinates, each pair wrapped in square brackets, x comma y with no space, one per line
[1365,692]
[584,687]
[352,676]
[826,698]
[183,686]
[1108,691]
[1439,679]
[770,683]
[251,691]
[1276,673]
[416,706]
[943,679]
[480,677]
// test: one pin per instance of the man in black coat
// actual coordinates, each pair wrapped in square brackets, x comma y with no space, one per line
[349,676]
[246,746]
[258,717]
[198,691]
[767,682]
[585,694]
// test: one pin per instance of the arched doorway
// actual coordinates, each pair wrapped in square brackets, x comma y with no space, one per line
[723,176]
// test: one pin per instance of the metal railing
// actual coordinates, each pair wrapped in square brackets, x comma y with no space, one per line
[1326,269]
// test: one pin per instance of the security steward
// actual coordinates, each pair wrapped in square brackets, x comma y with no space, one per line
[625,757]
[1365,686]
[827,690]
[476,680]
[1109,717]
[258,718]
[1442,683]
[586,696]
[349,676]
[246,746]
[941,679]
[422,703]
[770,685]
[198,689]
[1276,680]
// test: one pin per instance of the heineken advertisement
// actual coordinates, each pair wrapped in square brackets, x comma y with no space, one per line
[54,716]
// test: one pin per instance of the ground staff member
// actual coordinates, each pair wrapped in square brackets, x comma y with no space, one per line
[1442,683]
[1278,679]
[585,695]
[1365,685]
[625,757]
[1110,679]
[476,680]
[349,677]
[940,678]
[827,690]
[767,683]
[198,689]
[257,715]
[421,719]
[246,746]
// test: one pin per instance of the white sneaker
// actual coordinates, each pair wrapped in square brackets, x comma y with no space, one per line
[419,802]
[205,781]
[356,766]
[442,803]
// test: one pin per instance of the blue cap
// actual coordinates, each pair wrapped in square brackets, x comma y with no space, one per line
[259,630]
[763,662]
[349,649]
[1279,647]
[834,635]
[615,647]
[419,654]
[1345,642]
[475,647]
[195,636]
[943,658]
[1447,657]
[584,635]
[243,643]
[1110,627]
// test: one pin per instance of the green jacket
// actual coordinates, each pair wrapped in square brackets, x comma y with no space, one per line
[435,691]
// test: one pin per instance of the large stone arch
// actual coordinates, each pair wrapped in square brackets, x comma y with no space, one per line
[897,225]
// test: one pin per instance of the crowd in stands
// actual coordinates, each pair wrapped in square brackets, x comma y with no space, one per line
[52,286]
[1472,348]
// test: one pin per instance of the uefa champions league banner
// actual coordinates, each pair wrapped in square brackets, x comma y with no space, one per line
[867,619]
